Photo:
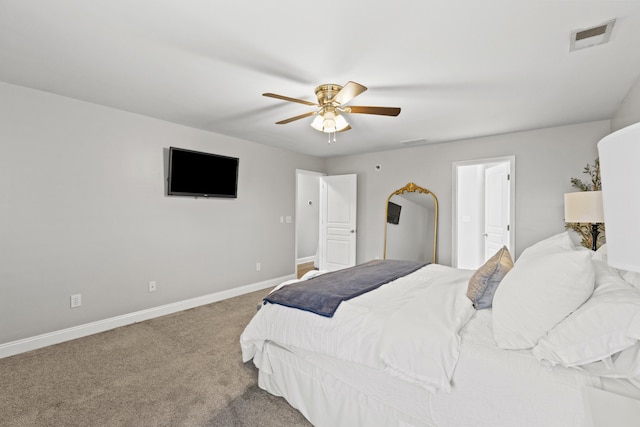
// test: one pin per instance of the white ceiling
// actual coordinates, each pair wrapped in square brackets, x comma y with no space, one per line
[458,69]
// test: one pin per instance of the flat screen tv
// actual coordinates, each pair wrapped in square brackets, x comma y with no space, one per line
[393,213]
[198,174]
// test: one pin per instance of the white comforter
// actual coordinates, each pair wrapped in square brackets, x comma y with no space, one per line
[408,328]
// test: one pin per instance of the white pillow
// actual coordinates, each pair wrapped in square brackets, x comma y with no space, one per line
[576,238]
[554,244]
[633,331]
[631,277]
[537,294]
[624,364]
[598,328]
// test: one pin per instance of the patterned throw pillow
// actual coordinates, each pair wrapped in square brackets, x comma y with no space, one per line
[485,281]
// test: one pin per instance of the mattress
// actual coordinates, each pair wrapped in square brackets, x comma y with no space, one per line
[490,387]
[407,327]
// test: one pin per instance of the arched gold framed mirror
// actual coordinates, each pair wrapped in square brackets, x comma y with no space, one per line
[411,224]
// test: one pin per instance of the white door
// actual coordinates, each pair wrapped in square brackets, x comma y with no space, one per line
[496,231]
[337,222]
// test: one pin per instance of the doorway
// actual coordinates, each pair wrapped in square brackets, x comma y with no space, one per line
[483,210]
[338,213]
[307,220]
[325,221]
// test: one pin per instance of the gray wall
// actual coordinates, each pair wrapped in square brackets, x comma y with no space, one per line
[629,111]
[83,210]
[546,160]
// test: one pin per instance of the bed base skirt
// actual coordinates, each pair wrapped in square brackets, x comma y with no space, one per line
[327,401]
[330,393]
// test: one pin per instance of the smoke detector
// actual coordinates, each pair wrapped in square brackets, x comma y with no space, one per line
[591,36]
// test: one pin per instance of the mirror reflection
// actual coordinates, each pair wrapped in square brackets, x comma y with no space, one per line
[411,226]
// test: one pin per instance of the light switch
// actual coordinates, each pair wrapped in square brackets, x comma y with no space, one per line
[288,219]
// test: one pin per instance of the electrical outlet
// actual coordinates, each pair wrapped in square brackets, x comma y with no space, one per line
[258,266]
[153,287]
[76,300]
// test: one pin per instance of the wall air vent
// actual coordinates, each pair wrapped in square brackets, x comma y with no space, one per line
[591,36]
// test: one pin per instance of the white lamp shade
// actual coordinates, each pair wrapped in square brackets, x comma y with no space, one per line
[341,123]
[329,122]
[620,175]
[583,206]
[317,123]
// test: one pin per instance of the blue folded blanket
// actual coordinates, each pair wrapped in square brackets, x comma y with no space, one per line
[323,294]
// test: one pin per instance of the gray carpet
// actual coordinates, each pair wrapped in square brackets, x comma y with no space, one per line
[184,369]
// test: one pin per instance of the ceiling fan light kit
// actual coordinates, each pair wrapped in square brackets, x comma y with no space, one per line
[331,100]
[329,122]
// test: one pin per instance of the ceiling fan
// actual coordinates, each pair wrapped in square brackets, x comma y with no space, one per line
[331,103]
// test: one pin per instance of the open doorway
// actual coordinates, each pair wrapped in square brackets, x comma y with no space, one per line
[325,221]
[307,219]
[483,211]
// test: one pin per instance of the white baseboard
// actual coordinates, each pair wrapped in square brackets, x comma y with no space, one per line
[306,259]
[56,337]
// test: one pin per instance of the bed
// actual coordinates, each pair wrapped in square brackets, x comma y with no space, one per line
[510,344]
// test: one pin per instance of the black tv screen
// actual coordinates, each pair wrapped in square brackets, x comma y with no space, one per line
[198,174]
[393,213]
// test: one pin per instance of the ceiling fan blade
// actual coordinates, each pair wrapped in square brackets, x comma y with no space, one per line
[381,111]
[286,98]
[291,119]
[348,92]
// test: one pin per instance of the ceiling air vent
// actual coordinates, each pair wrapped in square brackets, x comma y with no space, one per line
[591,36]
[420,141]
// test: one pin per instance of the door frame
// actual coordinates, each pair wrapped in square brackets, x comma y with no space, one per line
[454,202]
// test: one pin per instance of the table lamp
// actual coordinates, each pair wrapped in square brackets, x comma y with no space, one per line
[585,207]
